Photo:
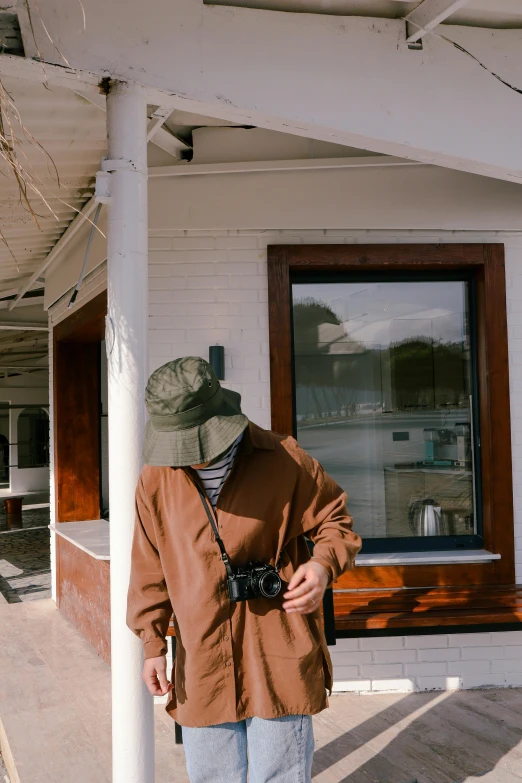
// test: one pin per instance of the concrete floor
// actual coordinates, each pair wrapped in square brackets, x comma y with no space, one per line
[55,713]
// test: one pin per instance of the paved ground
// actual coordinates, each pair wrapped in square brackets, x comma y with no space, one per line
[55,708]
[37,517]
[25,569]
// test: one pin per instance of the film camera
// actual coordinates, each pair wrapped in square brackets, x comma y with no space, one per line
[255,580]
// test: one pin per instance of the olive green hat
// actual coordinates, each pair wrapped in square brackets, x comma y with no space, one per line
[192,419]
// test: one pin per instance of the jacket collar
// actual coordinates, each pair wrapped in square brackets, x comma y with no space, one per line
[256,438]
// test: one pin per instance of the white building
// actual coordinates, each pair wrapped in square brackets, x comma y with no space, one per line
[269,159]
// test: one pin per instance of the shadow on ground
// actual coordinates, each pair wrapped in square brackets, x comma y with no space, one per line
[430,738]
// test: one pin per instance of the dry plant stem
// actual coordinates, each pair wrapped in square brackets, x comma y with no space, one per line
[14,137]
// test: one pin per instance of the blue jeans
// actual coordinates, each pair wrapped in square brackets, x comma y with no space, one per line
[280,750]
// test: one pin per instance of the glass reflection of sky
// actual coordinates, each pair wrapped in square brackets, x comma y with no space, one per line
[380,313]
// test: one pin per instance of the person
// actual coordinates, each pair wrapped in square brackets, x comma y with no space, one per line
[224,509]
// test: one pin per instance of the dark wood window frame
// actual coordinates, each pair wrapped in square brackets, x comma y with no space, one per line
[413,595]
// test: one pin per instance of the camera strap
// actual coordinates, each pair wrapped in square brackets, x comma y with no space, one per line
[213,525]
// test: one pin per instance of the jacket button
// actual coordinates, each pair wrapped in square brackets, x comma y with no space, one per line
[225,638]
[229,663]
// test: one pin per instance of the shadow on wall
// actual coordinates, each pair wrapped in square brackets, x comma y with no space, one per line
[426,738]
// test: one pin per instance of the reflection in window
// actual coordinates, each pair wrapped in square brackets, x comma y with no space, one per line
[33,438]
[384,401]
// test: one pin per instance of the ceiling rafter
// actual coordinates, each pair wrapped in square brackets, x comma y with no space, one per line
[428,15]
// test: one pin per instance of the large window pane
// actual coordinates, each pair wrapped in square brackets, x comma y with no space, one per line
[384,400]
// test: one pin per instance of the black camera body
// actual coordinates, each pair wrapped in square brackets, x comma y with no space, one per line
[255,580]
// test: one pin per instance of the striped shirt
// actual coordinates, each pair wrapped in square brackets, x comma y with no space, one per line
[214,476]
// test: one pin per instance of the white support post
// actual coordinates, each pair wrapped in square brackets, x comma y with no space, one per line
[132,706]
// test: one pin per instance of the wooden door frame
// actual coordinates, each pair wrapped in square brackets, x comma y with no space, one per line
[76,384]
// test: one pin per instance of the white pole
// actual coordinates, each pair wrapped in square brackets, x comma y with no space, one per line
[132,707]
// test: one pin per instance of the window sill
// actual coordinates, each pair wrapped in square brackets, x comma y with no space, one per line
[427,558]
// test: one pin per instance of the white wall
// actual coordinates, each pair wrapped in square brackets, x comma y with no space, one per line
[30,389]
[208,287]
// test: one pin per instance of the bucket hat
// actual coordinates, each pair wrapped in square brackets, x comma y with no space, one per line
[192,418]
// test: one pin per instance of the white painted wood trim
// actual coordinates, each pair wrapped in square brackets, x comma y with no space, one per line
[194,169]
[452,557]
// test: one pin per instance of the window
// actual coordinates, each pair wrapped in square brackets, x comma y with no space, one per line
[390,364]
[385,400]
[33,438]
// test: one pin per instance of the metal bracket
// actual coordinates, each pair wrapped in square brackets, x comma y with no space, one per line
[102,190]
[415,45]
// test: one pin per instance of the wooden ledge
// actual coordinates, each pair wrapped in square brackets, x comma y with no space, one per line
[425,607]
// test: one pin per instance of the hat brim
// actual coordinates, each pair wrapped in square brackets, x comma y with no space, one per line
[195,445]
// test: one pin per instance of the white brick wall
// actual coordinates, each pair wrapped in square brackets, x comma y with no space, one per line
[211,287]
[432,662]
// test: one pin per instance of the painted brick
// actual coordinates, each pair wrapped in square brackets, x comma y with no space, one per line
[402,685]
[395,656]
[382,643]
[193,243]
[431,642]
[482,681]
[513,679]
[463,639]
[507,665]
[346,672]
[482,653]
[425,669]
[240,242]
[353,657]
[469,667]
[507,637]
[381,671]
[230,268]
[215,281]
[357,686]
[209,336]
[160,243]
[237,322]
[432,683]
[248,269]
[345,645]
[240,295]
[441,654]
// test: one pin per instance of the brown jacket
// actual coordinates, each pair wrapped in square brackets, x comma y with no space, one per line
[235,661]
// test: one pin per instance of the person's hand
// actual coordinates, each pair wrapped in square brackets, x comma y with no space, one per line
[306,588]
[155,676]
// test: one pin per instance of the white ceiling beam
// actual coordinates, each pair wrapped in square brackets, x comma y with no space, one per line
[47,73]
[156,133]
[164,139]
[428,15]
[304,76]
[31,302]
[20,326]
[310,164]
[64,240]
[13,291]
[349,81]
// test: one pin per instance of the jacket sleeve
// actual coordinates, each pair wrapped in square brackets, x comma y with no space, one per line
[148,605]
[321,515]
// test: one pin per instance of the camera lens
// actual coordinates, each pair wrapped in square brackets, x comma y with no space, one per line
[270,585]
